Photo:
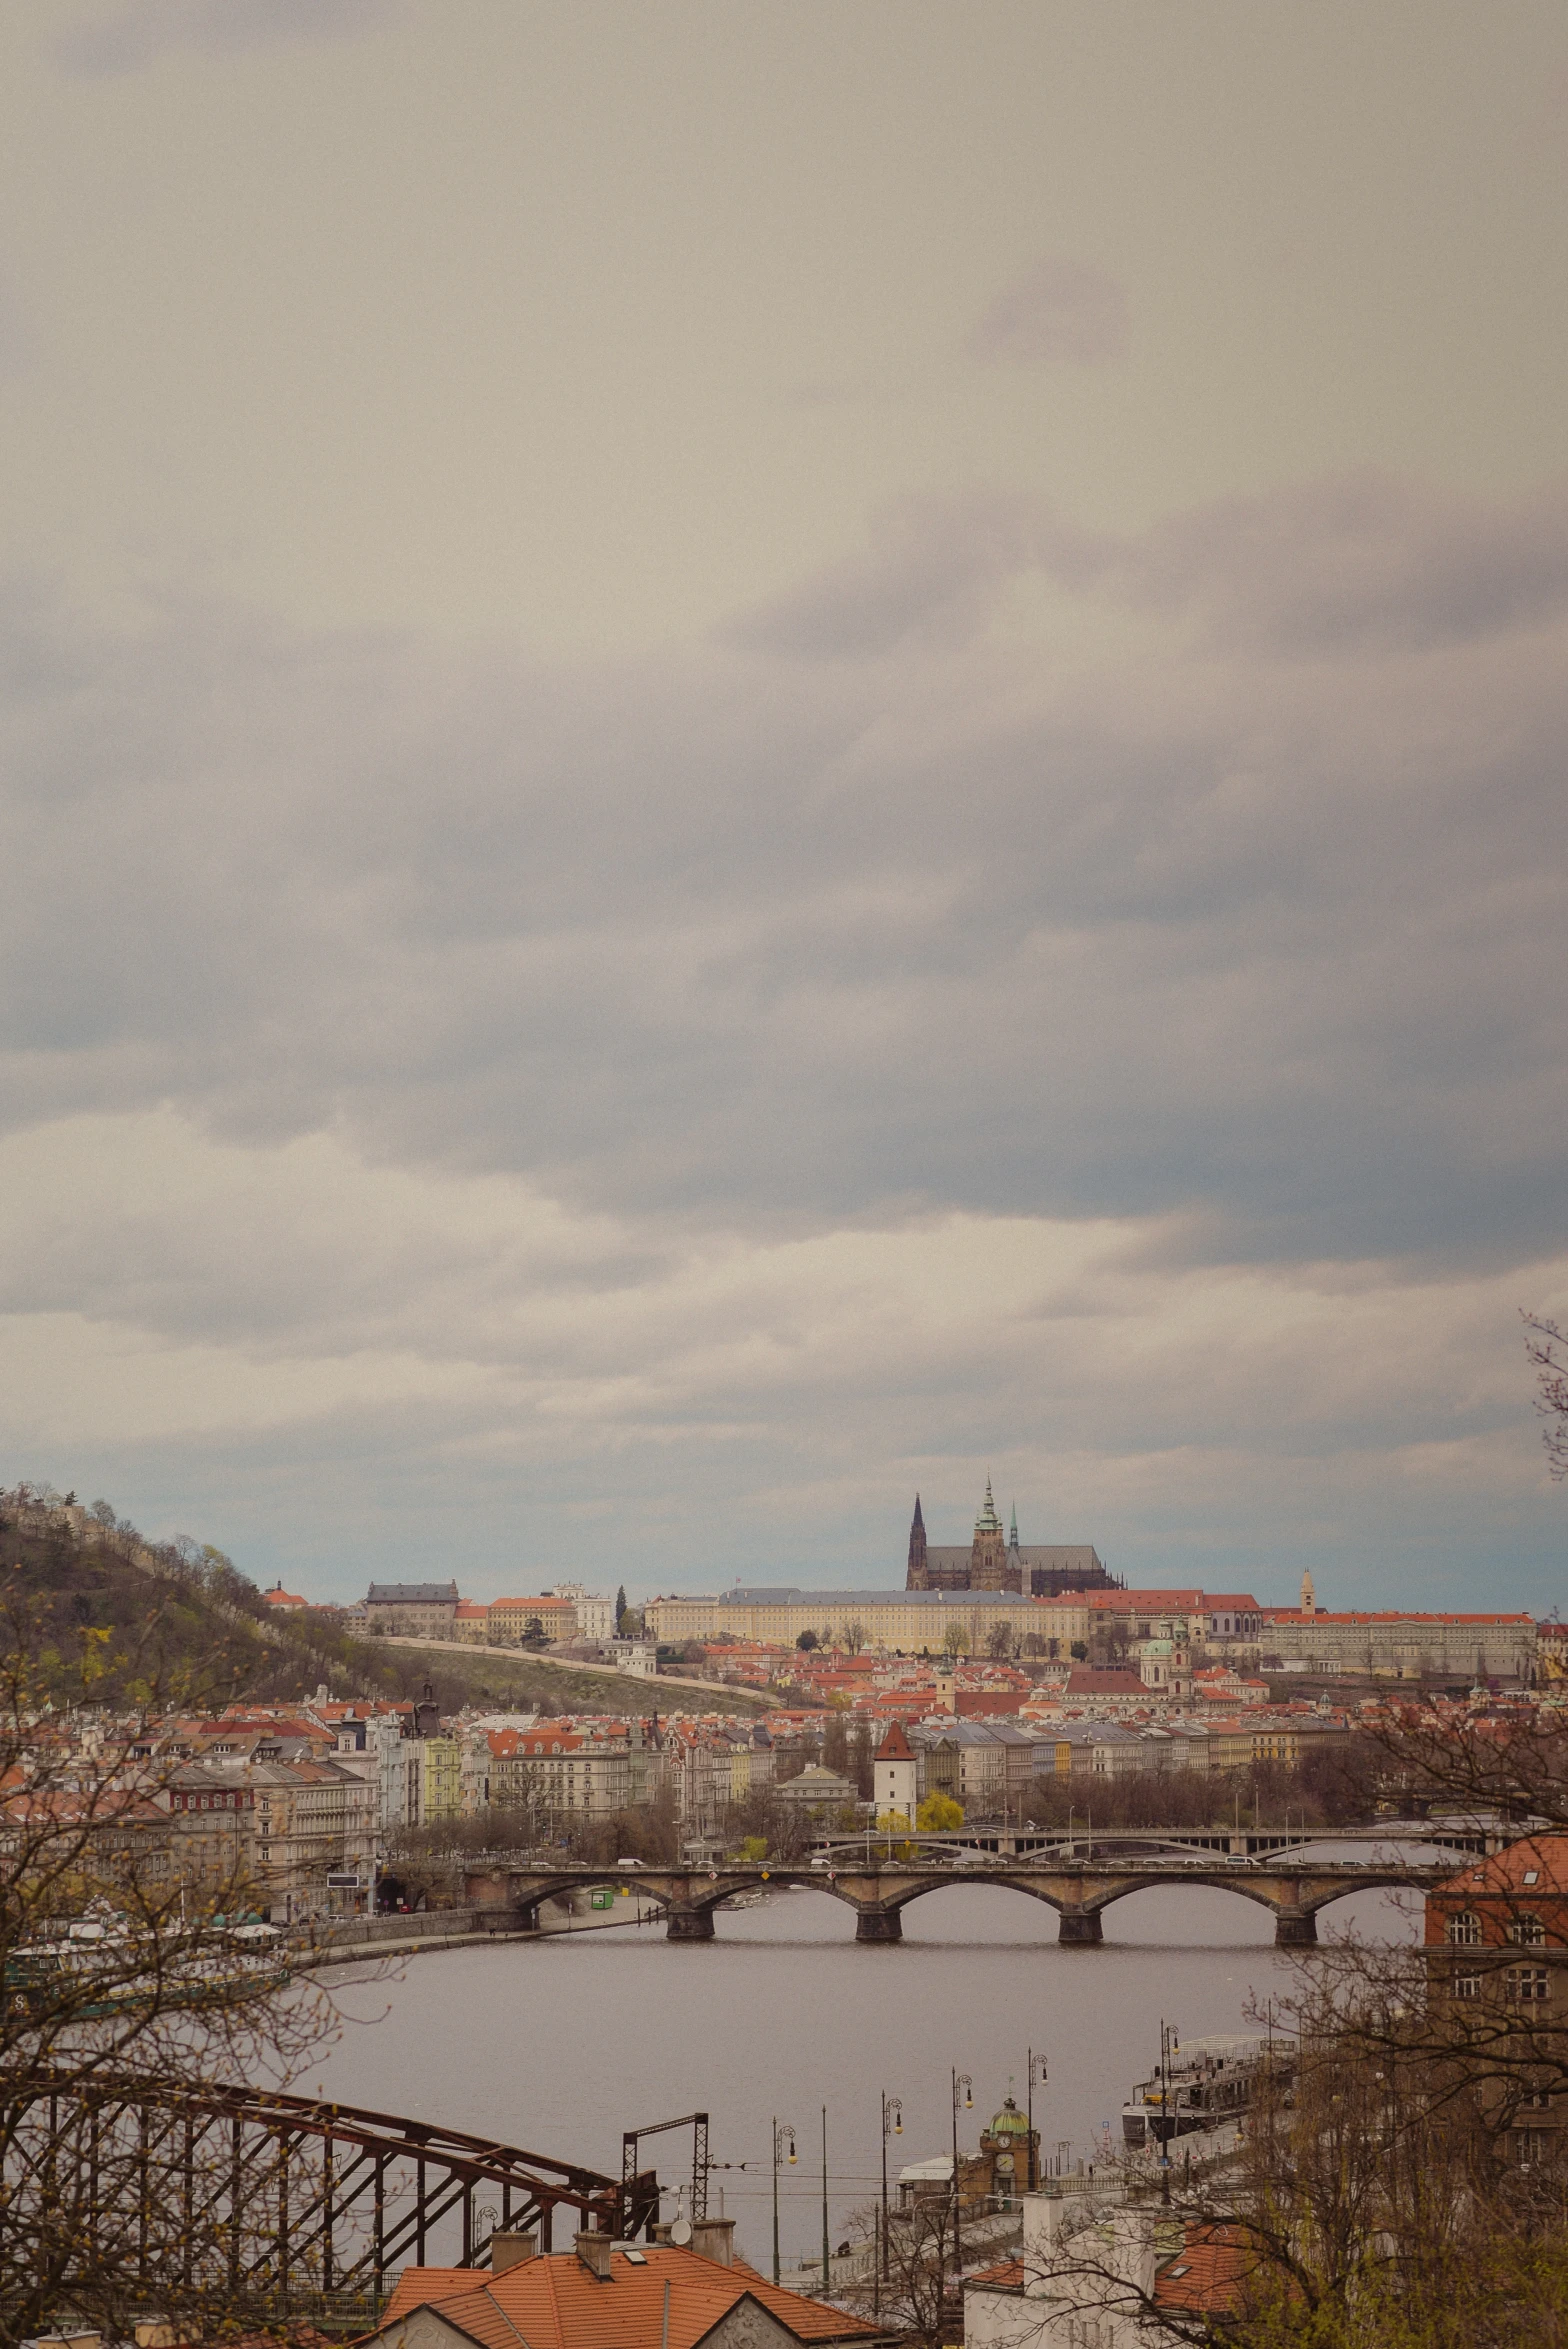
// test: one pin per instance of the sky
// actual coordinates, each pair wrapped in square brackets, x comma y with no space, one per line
[755,757]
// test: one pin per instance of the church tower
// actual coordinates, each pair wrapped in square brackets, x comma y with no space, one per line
[1309,1597]
[917,1578]
[988,1552]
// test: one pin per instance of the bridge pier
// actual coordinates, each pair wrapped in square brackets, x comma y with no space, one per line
[879,1925]
[1296,1929]
[689,1925]
[1081,1929]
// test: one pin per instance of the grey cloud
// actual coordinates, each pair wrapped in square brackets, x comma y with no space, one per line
[1365,563]
[1059,310]
[760,941]
[127,38]
[929,572]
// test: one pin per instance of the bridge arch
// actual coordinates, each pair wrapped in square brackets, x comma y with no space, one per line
[1314,1903]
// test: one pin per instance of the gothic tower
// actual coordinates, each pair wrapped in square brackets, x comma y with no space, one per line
[916,1579]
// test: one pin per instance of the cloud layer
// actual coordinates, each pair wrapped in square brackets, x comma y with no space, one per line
[1095,1003]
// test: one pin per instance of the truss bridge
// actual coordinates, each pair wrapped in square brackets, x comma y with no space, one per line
[286,2202]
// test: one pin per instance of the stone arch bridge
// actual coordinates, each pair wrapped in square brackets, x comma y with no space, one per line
[879,1890]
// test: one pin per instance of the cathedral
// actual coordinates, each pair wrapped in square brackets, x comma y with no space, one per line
[998,1561]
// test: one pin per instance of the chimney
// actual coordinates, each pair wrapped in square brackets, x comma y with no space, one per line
[511,2251]
[715,2239]
[594,2252]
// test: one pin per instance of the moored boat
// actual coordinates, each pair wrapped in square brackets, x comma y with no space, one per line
[1200,2084]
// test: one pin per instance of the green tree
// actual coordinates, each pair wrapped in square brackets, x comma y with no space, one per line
[1080,1649]
[620,1606]
[939,1814]
[806,1641]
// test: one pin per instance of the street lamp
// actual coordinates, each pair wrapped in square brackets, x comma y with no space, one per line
[892,2125]
[1168,2042]
[1036,2071]
[960,2080]
[783,2134]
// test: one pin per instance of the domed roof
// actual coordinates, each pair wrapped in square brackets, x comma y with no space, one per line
[1009,2122]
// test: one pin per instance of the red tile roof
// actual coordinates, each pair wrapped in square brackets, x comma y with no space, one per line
[1207,2275]
[555,2303]
[1543,1856]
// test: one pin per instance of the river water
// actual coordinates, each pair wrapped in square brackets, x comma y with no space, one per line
[562,2043]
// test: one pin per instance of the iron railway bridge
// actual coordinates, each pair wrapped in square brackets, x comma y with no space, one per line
[294,2204]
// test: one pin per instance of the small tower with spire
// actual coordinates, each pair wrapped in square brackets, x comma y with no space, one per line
[1309,1597]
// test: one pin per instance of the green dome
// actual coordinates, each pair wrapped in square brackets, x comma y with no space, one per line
[1009,2122]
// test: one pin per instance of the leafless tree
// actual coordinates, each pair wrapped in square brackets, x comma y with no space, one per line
[124,2000]
[1546,1343]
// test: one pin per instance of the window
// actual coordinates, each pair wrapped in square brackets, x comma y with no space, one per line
[1531,2145]
[1535,2100]
[1466,1984]
[1465,1928]
[1525,1984]
[1527,1933]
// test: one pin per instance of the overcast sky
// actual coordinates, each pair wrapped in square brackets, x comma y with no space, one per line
[755,755]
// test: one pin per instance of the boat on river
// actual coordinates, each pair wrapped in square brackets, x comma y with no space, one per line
[1200,2084]
[121,1970]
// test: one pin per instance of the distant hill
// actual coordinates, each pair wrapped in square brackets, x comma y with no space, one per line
[182,1626]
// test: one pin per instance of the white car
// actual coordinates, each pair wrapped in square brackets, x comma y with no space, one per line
[822,1860]
[628,1863]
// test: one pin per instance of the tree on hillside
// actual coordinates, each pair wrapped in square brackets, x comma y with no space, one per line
[620,1605]
[806,1642]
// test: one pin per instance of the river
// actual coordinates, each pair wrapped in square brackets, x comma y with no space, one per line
[561,2044]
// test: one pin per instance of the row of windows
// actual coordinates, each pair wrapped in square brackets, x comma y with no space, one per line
[1522,1985]
[1524,1932]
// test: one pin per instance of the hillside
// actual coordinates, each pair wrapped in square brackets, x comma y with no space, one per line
[178,1624]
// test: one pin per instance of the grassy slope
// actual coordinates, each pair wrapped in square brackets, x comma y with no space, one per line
[201,1636]
[530,1683]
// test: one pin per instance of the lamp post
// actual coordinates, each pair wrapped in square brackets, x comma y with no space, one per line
[1168,2040]
[1036,2071]
[783,2134]
[960,2080]
[892,2124]
[827,2277]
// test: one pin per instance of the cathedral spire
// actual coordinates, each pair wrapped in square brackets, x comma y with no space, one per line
[916,1576]
[1012,1531]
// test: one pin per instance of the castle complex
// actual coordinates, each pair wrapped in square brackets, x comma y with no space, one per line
[998,1561]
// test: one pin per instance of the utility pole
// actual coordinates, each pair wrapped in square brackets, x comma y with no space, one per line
[960,2080]
[782,2132]
[827,2277]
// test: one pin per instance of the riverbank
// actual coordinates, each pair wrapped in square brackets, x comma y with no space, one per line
[427,1930]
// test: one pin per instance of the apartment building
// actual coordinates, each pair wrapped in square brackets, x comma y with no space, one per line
[411,1610]
[513,1620]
